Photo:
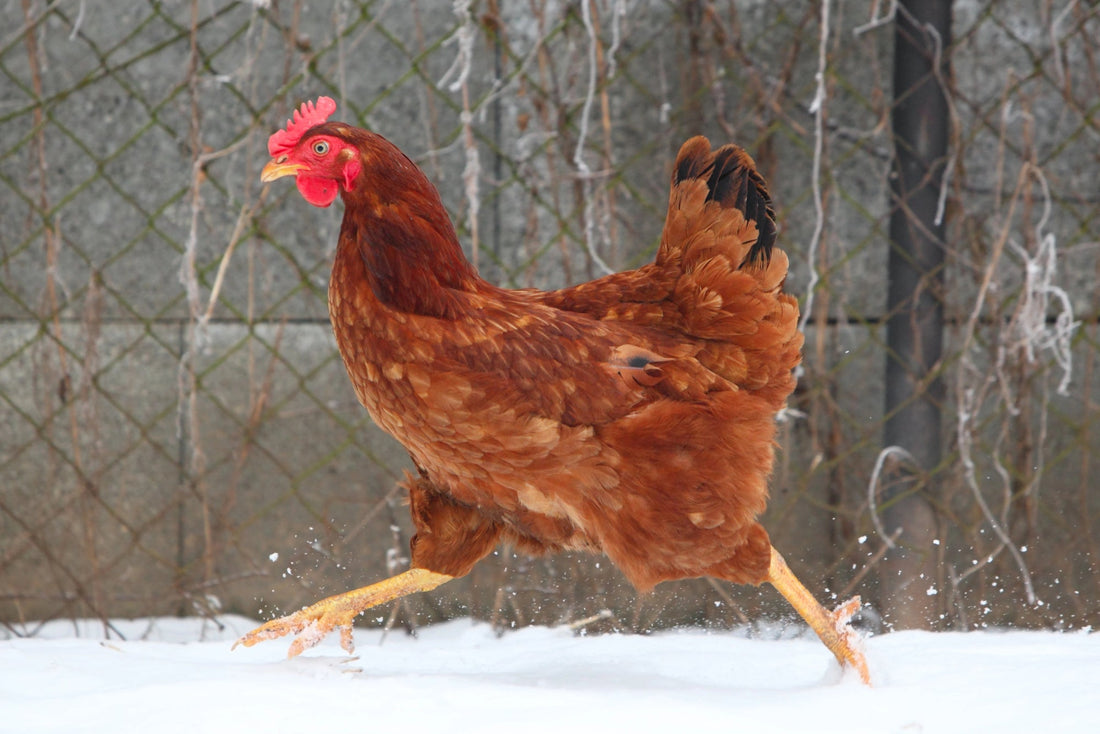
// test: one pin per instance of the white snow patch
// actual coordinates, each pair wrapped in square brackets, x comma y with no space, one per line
[179,675]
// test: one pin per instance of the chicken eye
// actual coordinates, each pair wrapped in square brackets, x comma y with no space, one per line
[320,147]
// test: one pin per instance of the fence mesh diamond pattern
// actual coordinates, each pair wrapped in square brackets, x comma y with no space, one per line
[178,434]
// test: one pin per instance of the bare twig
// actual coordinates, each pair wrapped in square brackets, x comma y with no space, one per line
[727,599]
[876,20]
[817,107]
[968,398]
[578,155]
[460,68]
[1055,39]
[889,542]
[872,491]
[187,412]
[245,216]
[1034,330]
[597,617]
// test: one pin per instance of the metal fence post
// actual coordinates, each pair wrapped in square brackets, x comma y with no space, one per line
[914,392]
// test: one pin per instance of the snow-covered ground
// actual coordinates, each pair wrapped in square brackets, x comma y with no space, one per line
[175,675]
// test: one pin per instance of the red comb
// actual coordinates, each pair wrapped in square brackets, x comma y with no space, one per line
[307,116]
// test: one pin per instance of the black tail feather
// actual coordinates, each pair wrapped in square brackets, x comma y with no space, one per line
[733,181]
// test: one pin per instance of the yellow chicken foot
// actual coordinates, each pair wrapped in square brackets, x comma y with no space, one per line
[312,623]
[831,627]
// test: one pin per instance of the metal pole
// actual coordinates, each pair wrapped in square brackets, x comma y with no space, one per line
[914,394]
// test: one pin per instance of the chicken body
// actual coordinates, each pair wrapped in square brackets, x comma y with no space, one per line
[632,415]
[627,416]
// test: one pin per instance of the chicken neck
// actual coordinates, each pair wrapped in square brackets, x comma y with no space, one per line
[404,247]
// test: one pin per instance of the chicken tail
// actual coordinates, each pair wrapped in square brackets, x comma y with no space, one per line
[719,201]
[732,185]
[720,237]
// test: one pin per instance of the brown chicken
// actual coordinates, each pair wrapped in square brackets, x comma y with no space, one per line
[633,415]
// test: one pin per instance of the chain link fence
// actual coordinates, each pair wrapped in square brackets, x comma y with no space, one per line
[178,434]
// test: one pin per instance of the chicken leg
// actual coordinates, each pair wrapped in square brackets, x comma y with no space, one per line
[831,627]
[312,623]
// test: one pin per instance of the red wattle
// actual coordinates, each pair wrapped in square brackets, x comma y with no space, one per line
[318,191]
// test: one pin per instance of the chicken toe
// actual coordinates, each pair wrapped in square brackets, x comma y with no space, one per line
[311,624]
[831,627]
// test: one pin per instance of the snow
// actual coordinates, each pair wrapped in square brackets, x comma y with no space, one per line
[179,675]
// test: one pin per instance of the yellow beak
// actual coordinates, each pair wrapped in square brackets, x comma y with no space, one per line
[278,168]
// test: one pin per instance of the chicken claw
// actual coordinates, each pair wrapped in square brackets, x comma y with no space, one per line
[831,627]
[849,648]
[311,624]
